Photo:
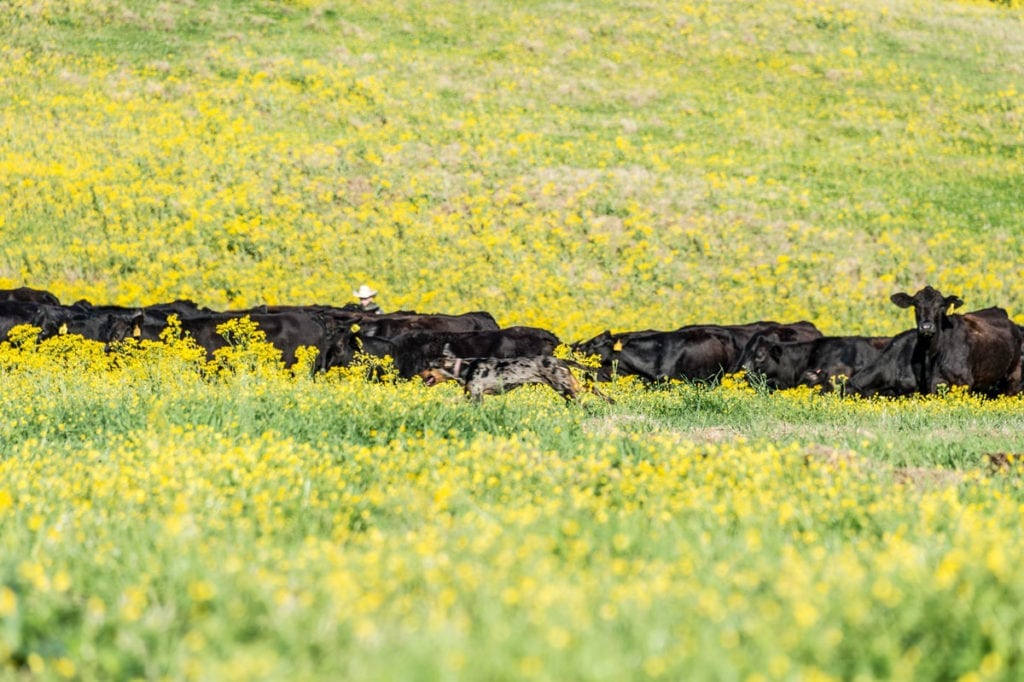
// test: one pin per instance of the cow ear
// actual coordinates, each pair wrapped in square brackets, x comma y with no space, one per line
[775,352]
[954,301]
[902,299]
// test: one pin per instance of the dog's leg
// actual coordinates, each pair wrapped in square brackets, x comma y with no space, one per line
[608,399]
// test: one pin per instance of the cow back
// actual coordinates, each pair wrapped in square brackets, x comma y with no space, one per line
[993,351]
[29,295]
[692,353]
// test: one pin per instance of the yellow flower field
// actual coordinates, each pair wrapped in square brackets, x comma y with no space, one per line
[577,167]
[611,169]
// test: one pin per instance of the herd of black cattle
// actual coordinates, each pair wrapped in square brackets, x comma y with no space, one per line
[980,350]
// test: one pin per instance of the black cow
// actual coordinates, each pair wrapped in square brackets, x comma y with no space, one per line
[29,295]
[141,322]
[696,353]
[892,372]
[287,331]
[98,324]
[390,325]
[413,351]
[980,350]
[15,313]
[53,320]
[788,332]
[180,307]
[786,365]
[343,341]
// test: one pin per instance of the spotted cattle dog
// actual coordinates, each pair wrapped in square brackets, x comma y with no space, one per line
[491,376]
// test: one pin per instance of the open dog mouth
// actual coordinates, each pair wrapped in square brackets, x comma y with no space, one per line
[431,377]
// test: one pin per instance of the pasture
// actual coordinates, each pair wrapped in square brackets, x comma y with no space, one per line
[571,166]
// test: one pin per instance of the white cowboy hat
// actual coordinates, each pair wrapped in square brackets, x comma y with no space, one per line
[364,292]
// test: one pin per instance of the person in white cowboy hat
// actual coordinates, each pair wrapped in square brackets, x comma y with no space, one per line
[366,303]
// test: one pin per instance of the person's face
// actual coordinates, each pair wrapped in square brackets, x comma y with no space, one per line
[366,301]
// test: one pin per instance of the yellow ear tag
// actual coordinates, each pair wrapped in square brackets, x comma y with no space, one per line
[63,329]
[617,347]
[354,328]
[136,331]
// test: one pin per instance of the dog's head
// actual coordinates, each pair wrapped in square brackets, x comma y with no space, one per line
[444,368]
[432,376]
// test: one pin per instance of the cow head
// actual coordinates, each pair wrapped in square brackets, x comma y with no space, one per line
[761,359]
[604,345]
[341,343]
[119,327]
[930,308]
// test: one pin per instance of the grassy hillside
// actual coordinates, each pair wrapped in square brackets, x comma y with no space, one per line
[576,166]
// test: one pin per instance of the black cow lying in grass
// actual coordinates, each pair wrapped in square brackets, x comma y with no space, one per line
[693,353]
[786,365]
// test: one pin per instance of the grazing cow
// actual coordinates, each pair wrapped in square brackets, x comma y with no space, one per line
[691,353]
[492,376]
[786,365]
[980,350]
[412,351]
